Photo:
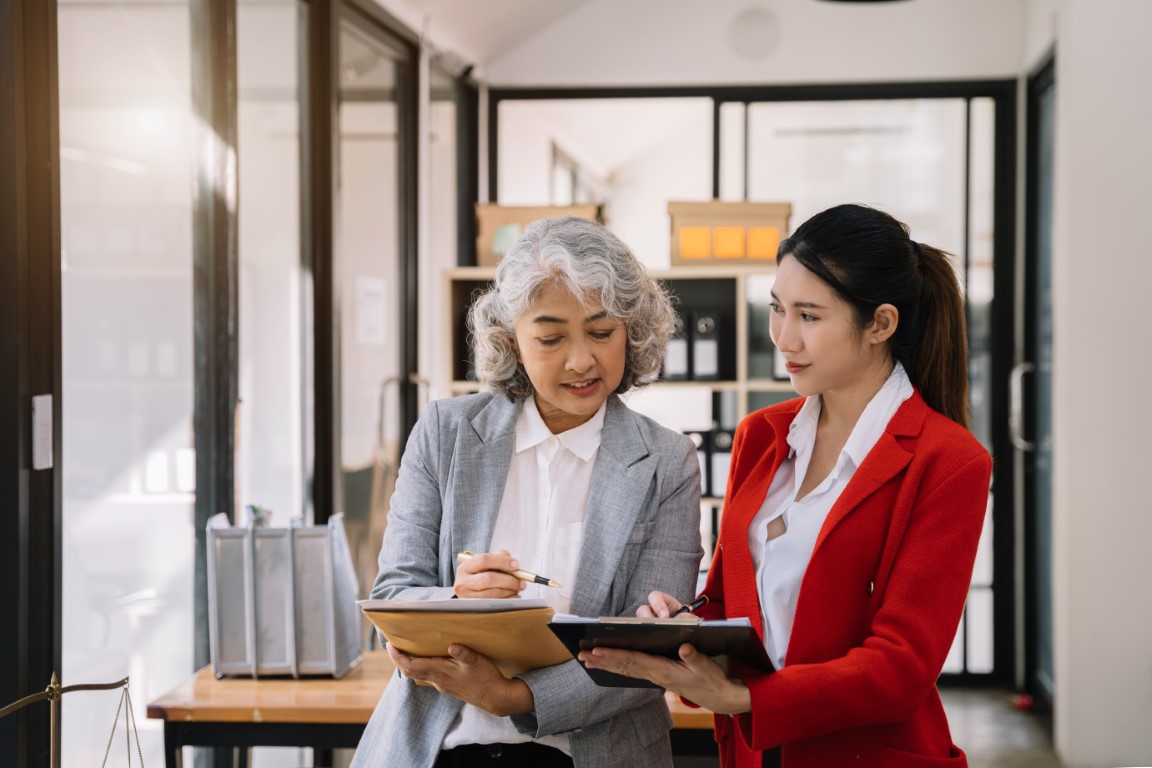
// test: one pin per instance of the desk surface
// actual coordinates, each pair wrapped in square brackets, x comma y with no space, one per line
[351,699]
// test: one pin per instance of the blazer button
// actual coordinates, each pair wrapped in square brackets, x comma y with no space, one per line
[871,587]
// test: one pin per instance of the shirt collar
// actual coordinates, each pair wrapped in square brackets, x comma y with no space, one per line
[879,411]
[875,417]
[583,440]
[802,430]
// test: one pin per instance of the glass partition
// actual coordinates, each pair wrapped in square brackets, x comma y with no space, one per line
[126,181]
[930,163]
[270,448]
[272,455]
[441,248]
[632,155]
[368,252]
[905,156]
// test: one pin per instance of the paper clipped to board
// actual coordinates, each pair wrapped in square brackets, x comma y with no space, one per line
[732,639]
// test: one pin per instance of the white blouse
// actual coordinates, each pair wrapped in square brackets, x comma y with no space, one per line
[540,521]
[780,563]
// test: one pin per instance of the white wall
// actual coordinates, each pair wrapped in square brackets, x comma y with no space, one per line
[686,42]
[1102,421]
[1040,29]
[525,151]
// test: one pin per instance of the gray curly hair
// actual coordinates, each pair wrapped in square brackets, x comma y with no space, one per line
[595,266]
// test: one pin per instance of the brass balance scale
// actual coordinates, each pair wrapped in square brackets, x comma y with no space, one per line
[53,693]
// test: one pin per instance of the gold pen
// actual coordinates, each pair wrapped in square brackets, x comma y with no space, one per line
[691,607]
[522,575]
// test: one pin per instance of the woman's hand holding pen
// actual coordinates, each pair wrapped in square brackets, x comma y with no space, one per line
[486,575]
[662,605]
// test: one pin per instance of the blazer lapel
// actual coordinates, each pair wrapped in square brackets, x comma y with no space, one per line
[621,482]
[743,506]
[886,460]
[483,455]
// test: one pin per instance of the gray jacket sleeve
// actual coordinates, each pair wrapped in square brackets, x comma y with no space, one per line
[410,555]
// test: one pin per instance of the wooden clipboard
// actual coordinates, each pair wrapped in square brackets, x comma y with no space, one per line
[516,641]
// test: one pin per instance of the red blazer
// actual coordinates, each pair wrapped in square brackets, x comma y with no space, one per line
[879,603]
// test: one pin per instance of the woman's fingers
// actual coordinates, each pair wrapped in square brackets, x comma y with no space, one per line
[485,575]
[660,605]
[627,663]
[489,561]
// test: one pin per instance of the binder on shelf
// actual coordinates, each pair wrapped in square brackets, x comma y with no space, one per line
[677,361]
[706,329]
[727,409]
[703,442]
[732,638]
[760,346]
[721,460]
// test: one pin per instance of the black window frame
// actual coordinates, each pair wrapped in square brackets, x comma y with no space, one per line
[1003,92]
[30,543]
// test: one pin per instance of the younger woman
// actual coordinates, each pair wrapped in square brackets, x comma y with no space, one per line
[852,514]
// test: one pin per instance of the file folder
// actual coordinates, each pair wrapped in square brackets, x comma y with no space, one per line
[512,633]
[705,346]
[676,358]
[721,459]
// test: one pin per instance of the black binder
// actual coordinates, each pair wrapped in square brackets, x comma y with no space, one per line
[703,443]
[678,357]
[706,353]
[733,638]
[720,459]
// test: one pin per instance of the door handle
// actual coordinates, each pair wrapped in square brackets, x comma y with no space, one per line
[1016,406]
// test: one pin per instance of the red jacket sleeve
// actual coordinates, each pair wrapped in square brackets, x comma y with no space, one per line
[885,678]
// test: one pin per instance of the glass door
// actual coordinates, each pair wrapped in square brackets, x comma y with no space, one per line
[1032,404]
[126,186]
[929,162]
[272,454]
[274,367]
[371,242]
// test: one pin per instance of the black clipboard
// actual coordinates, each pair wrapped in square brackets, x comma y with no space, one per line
[735,641]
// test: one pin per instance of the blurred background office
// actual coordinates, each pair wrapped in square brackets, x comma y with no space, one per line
[225,229]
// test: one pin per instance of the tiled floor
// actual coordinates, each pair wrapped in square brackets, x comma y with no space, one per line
[987,725]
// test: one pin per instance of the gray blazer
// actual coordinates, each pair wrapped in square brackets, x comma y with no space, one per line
[641,532]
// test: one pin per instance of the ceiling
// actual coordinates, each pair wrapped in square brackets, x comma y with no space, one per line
[485,29]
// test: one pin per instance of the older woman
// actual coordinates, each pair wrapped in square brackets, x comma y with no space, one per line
[548,471]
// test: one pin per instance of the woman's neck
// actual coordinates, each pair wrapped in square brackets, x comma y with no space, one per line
[840,409]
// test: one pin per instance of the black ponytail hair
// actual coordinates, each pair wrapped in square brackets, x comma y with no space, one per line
[867,257]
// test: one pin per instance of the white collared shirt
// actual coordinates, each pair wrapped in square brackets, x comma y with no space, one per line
[540,522]
[780,563]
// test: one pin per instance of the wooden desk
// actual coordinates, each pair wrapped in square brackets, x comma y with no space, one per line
[320,713]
